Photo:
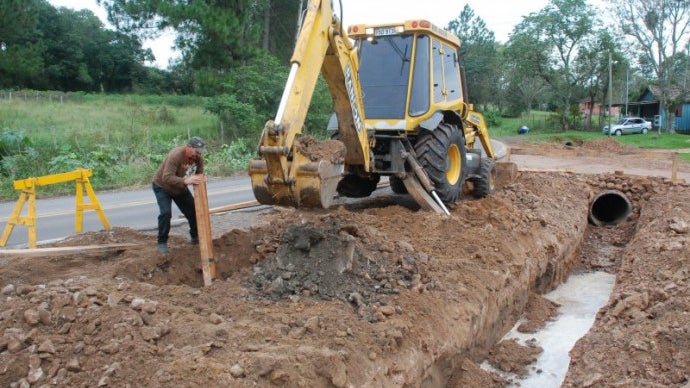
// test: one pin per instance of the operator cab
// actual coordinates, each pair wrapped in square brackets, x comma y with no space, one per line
[397,64]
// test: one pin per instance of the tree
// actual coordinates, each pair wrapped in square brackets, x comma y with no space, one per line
[659,30]
[82,55]
[47,48]
[547,43]
[525,61]
[479,55]
[592,69]
[21,49]
[210,34]
[281,21]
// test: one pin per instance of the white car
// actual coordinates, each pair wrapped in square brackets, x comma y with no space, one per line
[628,125]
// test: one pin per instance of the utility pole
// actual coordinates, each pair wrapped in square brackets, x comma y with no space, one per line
[610,92]
[627,69]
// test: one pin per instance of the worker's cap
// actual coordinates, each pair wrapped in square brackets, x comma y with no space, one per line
[198,143]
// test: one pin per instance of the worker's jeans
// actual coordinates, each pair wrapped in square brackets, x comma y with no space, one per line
[184,202]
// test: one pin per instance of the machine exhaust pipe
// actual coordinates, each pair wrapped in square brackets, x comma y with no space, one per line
[610,207]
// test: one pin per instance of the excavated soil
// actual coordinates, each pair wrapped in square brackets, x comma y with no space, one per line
[372,293]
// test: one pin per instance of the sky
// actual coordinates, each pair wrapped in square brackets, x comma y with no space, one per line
[500,16]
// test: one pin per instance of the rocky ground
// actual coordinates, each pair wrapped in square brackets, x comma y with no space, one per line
[369,293]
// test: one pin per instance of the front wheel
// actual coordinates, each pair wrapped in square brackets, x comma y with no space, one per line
[618,132]
[442,155]
[644,131]
[485,184]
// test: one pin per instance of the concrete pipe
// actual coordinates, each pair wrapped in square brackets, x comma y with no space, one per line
[610,207]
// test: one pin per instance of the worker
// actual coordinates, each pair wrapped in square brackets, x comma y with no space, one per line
[182,167]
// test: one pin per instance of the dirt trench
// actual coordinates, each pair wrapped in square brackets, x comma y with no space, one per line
[371,294]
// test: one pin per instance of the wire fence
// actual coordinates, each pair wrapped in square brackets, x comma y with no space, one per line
[41,96]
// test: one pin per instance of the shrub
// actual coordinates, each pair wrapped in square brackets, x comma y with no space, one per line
[13,142]
[493,117]
[231,158]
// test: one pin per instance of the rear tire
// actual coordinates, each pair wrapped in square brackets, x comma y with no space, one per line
[485,184]
[442,155]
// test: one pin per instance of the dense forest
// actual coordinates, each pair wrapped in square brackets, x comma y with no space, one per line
[45,48]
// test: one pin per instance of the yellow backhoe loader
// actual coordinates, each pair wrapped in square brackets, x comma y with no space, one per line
[401,111]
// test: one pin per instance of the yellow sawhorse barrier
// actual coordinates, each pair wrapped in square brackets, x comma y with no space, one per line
[28,188]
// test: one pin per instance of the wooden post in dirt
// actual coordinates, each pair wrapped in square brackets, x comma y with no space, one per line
[203,223]
[674,167]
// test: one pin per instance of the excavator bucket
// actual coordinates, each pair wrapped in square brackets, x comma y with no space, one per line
[312,183]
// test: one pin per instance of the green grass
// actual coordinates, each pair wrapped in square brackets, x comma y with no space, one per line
[103,121]
[651,140]
[537,121]
[122,138]
[541,130]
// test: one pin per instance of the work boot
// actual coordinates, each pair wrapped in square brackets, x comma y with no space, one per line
[195,241]
[163,248]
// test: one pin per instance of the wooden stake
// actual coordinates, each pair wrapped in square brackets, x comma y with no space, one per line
[674,167]
[203,224]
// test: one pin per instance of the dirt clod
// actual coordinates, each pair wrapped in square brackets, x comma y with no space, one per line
[329,150]
[510,356]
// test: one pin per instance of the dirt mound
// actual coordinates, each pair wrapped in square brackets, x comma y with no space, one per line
[606,144]
[338,259]
[368,294]
[509,356]
[556,143]
[538,311]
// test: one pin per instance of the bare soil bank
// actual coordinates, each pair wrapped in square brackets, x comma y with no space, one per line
[367,294]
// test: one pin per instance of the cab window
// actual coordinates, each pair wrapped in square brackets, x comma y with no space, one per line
[419,99]
[451,71]
[384,73]
[437,57]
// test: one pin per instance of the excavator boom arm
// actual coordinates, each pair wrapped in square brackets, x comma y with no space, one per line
[285,173]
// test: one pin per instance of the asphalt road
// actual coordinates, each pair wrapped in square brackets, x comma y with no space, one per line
[131,208]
